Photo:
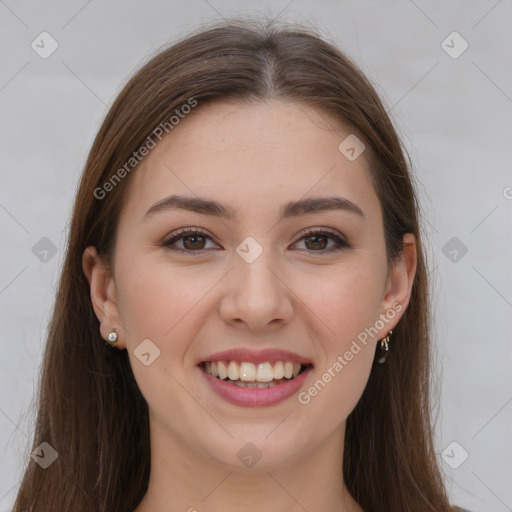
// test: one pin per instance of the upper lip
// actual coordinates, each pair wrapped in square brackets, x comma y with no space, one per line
[256,356]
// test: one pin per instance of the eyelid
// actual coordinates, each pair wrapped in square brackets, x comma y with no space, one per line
[329,231]
[184,231]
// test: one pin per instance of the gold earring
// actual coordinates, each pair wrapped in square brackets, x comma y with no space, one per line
[384,346]
[111,339]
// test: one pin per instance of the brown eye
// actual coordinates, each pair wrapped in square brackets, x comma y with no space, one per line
[317,241]
[193,241]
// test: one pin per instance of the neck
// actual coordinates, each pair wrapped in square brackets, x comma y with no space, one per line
[182,479]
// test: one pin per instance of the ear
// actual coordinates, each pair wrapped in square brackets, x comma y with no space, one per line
[397,291]
[103,294]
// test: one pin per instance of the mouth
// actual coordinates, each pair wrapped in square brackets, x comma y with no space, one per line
[247,374]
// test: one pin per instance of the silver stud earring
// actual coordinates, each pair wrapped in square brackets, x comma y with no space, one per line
[111,339]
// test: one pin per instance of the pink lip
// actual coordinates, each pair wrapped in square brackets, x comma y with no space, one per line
[256,356]
[255,397]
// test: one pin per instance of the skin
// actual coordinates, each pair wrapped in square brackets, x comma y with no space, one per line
[253,157]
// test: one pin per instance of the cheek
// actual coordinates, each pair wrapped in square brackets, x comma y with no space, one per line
[163,305]
[333,392]
[346,299]
[154,298]
[346,308]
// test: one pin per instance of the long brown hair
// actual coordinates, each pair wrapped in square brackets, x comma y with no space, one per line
[90,410]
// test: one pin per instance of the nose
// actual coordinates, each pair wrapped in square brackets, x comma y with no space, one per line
[257,295]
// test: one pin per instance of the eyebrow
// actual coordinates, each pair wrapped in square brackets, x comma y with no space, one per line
[216,209]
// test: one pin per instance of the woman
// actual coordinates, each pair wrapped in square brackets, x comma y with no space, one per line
[246,235]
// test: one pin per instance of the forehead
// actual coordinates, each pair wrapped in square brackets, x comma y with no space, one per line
[252,156]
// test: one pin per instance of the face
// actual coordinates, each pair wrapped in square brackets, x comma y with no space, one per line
[310,287]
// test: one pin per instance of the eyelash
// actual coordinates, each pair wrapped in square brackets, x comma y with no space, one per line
[184,233]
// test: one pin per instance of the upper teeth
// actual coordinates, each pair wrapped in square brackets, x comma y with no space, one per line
[250,372]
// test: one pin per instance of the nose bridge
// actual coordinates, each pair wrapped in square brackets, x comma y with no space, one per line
[256,275]
[256,294]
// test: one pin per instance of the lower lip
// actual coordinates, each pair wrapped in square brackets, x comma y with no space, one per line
[255,397]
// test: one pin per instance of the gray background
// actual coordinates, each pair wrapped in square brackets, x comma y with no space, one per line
[454,115]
